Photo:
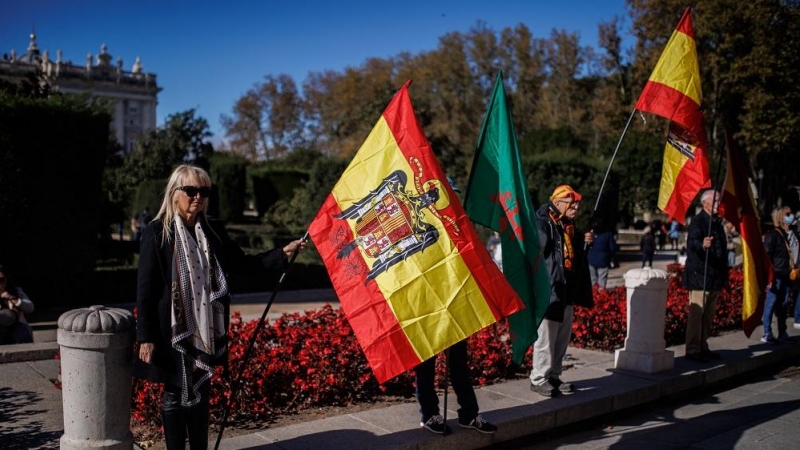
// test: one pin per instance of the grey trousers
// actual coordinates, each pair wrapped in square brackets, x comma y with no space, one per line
[550,348]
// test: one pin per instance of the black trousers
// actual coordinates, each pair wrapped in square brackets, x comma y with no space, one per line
[459,378]
[180,421]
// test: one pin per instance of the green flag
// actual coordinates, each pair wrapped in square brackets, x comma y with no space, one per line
[497,198]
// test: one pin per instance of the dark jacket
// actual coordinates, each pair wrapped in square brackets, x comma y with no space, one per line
[648,243]
[567,287]
[776,242]
[717,274]
[153,304]
[603,249]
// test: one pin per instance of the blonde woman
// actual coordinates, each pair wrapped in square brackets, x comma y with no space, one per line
[782,248]
[183,301]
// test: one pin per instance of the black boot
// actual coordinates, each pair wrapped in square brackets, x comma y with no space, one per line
[173,419]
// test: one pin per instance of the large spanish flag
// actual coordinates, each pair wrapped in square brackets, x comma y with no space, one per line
[410,271]
[738,208]
[673,92]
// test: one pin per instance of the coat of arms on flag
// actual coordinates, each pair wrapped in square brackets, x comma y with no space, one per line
[390,222]
[410,271]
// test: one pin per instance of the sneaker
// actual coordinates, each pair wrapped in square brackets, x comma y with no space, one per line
[435,425]
[796,326]
[480,424]
[545,389]
[564,388]
[784,337]
[769,339]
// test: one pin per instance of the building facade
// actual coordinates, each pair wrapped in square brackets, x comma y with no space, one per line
[134,93]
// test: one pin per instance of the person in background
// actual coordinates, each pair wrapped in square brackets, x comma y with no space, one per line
[660,229]
[14,304]
[781,245]
[183,302]
[730,235]
[647,245]
[495,248]
[704,281]
[458,364]
[601,253]
[674,233]
[562,249]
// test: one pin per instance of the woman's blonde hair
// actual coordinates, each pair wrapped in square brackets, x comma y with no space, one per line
[182,175]
[777,216]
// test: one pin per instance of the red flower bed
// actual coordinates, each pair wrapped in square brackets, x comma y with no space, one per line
[309,360]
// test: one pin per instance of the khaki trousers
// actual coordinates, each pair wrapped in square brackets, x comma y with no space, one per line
[698,326]
[551,347]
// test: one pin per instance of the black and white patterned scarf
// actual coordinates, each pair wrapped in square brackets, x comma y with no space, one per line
[198,317]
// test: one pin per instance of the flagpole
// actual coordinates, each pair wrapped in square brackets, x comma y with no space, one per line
[446,384]
[705,264]
[608,170]
[251,344]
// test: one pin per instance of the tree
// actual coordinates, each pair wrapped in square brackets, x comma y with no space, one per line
[267,120]
[749,69]
[183,139]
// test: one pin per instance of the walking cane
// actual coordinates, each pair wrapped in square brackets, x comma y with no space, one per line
[236,385]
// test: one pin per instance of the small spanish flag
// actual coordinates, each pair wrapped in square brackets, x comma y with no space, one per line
[410,271]
[673,92]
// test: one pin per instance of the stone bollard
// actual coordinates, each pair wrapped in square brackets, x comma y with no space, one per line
[96,356]
[645,348]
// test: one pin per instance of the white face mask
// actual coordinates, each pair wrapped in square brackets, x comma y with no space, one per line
[788,219]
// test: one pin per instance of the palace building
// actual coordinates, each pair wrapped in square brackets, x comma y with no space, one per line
[133,93]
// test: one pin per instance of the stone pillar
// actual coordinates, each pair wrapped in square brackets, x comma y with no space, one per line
[645,348]
[96,357]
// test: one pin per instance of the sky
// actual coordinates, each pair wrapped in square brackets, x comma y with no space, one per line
[207,54]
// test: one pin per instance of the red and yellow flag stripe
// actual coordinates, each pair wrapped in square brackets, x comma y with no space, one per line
[433,298]
[738,208]
[673,90]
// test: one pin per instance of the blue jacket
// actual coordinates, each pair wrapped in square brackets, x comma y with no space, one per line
[603,249]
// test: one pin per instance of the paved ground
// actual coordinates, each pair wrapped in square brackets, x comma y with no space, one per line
[758,411]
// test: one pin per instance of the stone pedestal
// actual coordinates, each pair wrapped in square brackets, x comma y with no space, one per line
[645,348]
[96,356]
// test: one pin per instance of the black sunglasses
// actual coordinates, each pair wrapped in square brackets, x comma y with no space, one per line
[192,191]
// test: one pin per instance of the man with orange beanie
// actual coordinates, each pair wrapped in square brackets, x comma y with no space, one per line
[562,249]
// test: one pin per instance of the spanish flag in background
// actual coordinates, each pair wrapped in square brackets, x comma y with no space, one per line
[673,92]
[411,273]
[738,207]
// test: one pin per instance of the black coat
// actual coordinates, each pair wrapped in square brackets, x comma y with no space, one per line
[153,304]
[566,287]
[776,243]
[717,274]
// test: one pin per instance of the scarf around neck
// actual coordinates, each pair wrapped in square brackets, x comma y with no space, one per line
[567,229]
[198,318]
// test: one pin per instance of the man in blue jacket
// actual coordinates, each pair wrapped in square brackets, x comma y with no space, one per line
[601,253]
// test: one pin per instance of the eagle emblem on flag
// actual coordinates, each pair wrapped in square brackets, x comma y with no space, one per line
[390,221]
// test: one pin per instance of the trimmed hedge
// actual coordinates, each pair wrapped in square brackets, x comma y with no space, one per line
[52,154]
[271,185]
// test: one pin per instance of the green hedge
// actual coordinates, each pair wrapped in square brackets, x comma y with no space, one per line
[228,175]
[52,154]
[149,194]
[271,185]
